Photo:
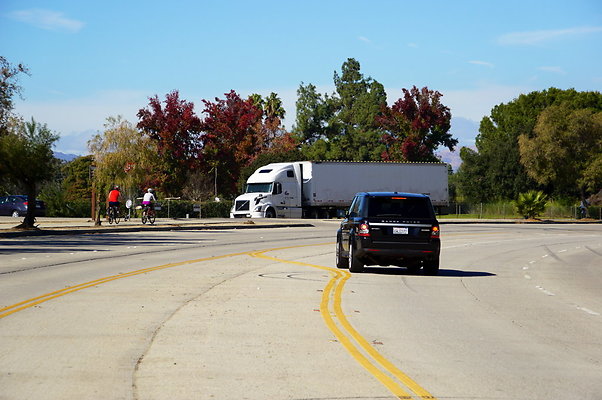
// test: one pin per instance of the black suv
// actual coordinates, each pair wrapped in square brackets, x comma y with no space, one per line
[389,229]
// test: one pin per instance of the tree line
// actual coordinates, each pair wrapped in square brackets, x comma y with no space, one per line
[185,153]
[549,141]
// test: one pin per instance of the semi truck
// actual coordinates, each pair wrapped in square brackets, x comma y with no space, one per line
[325,189]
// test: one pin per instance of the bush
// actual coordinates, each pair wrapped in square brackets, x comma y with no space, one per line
[209,209]
[531,204]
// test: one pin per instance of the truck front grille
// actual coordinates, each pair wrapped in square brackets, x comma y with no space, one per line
[241,205]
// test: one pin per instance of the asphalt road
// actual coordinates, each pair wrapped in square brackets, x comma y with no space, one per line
[263,314]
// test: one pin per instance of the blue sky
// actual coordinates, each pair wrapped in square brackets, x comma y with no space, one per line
[92,60]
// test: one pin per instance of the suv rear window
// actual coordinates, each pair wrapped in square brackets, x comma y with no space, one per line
[400,206]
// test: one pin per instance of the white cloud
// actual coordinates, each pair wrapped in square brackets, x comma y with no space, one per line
[535,37]
[47,19]
[483,63]
[364,39]
[556,70]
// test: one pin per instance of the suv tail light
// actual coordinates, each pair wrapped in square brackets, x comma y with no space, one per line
[435,232]
[364,229]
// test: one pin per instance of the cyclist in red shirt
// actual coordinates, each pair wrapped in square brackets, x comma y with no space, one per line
[114,197]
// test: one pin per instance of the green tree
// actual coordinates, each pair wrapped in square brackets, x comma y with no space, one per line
[273,109]
[470,178]
[495,170]
[124,157]
[9,86]
[76,183]
[28,160]
[564,149]
[69,195]
[314,112]
[341,126]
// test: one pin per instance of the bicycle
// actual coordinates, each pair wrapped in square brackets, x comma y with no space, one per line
[149,214]
[113,214]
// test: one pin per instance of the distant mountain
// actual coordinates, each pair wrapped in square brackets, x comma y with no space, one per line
[450,157]
[65,157]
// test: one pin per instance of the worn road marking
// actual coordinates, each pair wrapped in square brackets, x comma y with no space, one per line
[6,311]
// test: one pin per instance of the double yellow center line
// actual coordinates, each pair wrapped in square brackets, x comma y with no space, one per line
[364,353]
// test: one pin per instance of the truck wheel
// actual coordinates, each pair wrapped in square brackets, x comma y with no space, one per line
[355,265]
[342,262]
[431,267]
[270,213]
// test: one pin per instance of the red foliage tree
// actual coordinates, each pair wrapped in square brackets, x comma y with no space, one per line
[415,126]
[177,131]
[234,135]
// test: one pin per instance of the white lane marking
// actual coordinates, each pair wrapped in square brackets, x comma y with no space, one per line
[544,290]
[587,310]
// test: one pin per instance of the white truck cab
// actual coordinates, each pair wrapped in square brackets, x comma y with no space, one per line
[273,191]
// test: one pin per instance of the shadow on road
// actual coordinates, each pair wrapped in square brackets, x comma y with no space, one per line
[448,273]
[89,243]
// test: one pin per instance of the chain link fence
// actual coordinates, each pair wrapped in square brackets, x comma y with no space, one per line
[506,210]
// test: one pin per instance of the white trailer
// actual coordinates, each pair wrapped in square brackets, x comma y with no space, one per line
[312,189]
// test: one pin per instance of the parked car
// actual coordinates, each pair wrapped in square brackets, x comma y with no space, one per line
[389,229]
[16,206]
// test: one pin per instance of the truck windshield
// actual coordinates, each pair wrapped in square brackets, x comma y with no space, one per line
[259,187]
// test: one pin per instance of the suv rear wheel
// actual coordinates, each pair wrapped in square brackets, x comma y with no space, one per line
[355,265]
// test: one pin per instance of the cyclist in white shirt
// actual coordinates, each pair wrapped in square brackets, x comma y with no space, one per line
[148,199]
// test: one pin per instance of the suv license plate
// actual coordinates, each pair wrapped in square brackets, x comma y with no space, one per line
[400,231]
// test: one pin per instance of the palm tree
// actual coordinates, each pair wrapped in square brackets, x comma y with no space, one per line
[273,107]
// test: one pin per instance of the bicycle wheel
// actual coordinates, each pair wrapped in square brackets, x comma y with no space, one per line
[110,215]
[116,216]
[144,216]
[152,216]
